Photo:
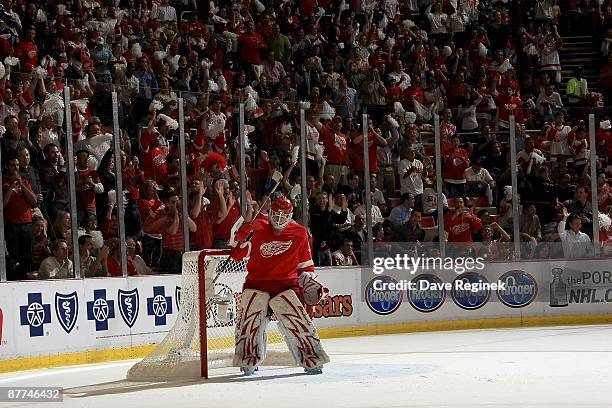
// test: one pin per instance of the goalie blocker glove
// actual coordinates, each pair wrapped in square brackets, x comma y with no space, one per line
[312,290]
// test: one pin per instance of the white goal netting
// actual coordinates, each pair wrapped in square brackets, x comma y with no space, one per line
[179,355]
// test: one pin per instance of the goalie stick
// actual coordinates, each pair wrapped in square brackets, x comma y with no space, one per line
[277,177]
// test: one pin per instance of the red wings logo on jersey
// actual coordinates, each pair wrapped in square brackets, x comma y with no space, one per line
[339,142]
[274,248]
[460,228]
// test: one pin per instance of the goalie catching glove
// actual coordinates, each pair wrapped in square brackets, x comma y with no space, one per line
[312,290]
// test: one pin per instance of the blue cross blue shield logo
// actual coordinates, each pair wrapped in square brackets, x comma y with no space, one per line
[129,303]
[67,310]
[35,314]
[159,305]
[177,297]
[100,309]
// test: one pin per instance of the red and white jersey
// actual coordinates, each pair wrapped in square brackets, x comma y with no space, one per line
[312,140]
[559,135]
[336,146]
[456,162]
[278,255]
[549,52]
[580,147]
[460,227]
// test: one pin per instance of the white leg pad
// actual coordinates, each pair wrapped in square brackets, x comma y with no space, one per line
[299,332]
[251,328]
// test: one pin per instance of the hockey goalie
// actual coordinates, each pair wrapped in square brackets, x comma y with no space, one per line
[280,280]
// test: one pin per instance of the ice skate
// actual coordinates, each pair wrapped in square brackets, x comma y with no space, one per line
[314,370]
[248,371]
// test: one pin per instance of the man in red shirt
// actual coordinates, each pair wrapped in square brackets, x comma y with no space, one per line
[199,207]
[169,224]
[87,186]
[27,51]
[149,206]
[337,145]
[18,201]
[153,153]
[375,139]
[250,43]
[455,163]
[457,90]
[113,260]
[460,224]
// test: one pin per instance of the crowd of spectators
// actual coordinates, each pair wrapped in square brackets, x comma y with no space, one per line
[474,63]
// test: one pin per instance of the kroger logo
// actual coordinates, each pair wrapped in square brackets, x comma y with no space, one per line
[521,289]
[383,302]
[467,299]
[429,299]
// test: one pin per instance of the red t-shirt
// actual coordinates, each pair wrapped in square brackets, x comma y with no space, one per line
[149,208]
[18,210]
[153,159]
[250,44]
[336,145]
[175,241]
[307,7]
[357,155]
[86,200]
[394,94]
[27,52]
[203,237]
[415,91]
[114,267]
[223,230]
[455,164]
[604,142]
[456,93]
[509,106]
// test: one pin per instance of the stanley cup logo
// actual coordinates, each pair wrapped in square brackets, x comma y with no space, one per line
[558,289]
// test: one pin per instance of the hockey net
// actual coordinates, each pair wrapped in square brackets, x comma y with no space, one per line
[213,276]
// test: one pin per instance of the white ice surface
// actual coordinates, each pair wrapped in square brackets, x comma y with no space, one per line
[519,368]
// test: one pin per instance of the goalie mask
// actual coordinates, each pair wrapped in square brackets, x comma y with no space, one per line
[280,213]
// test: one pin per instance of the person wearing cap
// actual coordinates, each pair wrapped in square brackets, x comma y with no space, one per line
[101,55]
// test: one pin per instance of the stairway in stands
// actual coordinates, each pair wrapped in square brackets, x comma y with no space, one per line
[579,51]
